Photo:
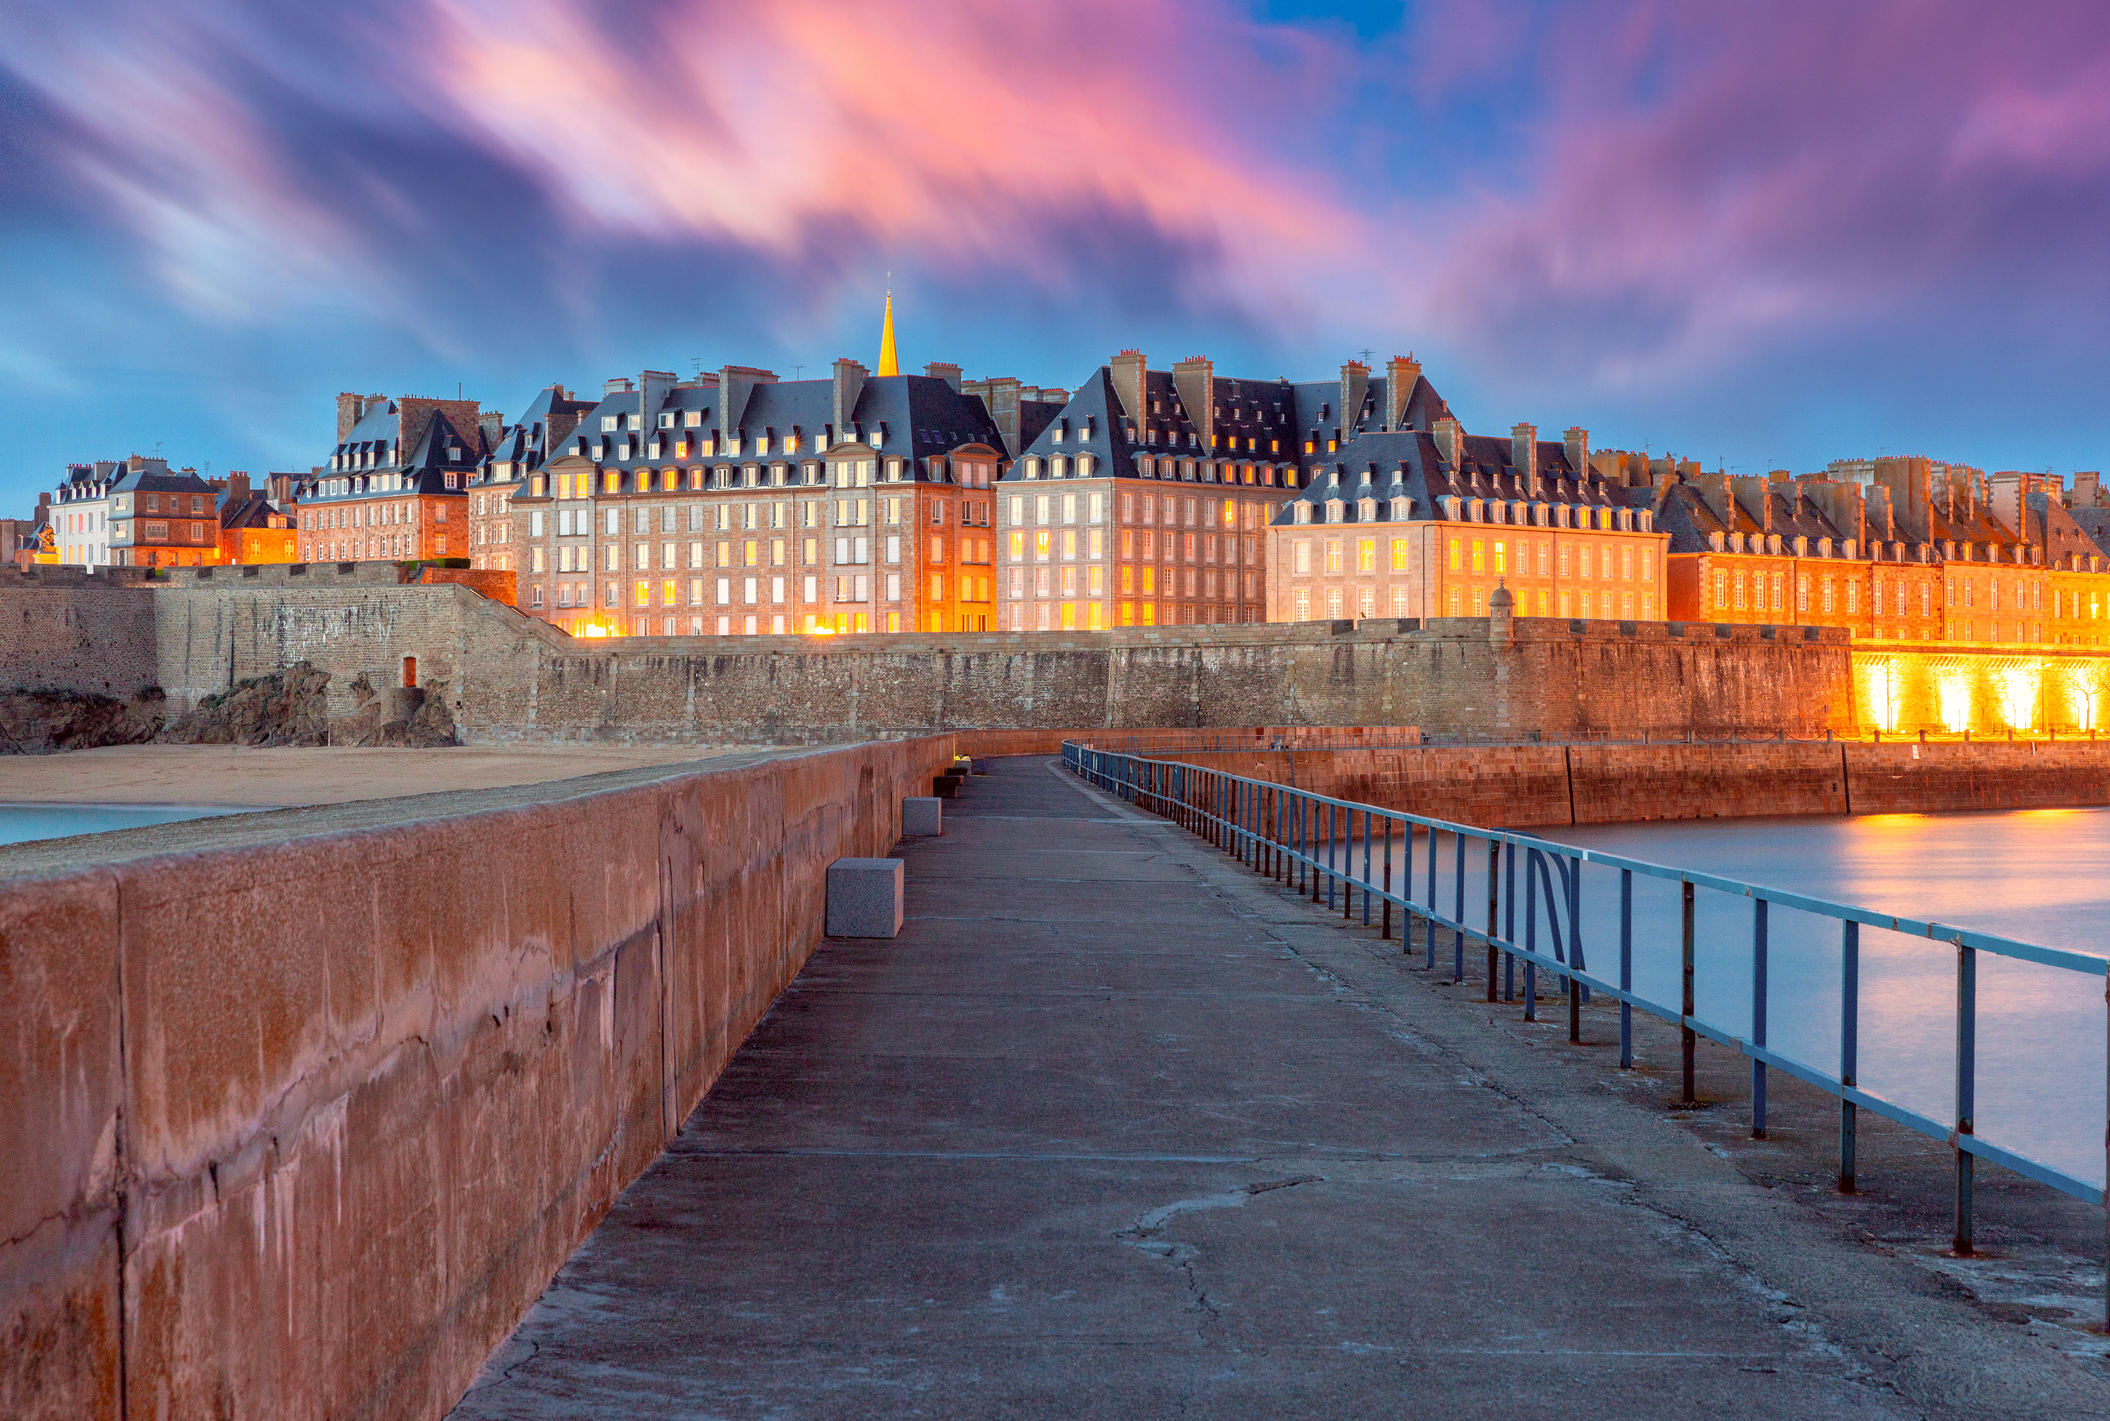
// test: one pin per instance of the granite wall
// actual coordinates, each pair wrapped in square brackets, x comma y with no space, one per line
[301,1130]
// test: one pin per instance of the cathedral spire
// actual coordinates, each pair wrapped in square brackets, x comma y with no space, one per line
[889,359]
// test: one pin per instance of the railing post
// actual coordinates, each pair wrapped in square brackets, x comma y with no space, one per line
[1494,890]
[1626,969]
[1366,870]
[2106,1147]
[1758,1016]
[1458,913]
[1849,1045]
[1685,999]
[1575,962]
[1432,891]
[1407,881]
[1531,925]
[1509,933]
[1966,1086]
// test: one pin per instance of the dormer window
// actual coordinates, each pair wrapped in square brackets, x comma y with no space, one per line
[693,419]
[637,421]
[666,419]
[1716,541]
[610,422]
[1366,511]
[1401,509]
[1303,512]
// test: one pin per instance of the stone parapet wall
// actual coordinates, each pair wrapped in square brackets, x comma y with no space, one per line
[301,1130]
[1527,786]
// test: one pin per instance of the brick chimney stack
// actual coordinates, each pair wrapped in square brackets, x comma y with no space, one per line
[1128,371]
[1355,388]
[1524,451]
[1195,379]
[946,371]
[1402,373]
[1577,440]
[1450,438]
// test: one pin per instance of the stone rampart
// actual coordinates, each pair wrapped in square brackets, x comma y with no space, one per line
[1524,786]
[510,678]
[301,1130]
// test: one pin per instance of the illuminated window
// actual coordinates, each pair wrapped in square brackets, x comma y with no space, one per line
[1479,565]
[1366,557]
[1333,554]
[1501,557]
[1399,555]
[1456,565]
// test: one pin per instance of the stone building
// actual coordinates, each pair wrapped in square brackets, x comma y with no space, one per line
[1914,551]
[253,529]
[735,503]
[161,517]
[1411,522]
[396,485]
[520,449]
[80,511]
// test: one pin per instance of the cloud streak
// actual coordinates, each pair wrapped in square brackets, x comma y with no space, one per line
[1635,205]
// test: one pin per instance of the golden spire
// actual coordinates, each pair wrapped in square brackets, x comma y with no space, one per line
[889,360]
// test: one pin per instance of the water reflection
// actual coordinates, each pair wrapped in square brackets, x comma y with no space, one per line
[2024,874]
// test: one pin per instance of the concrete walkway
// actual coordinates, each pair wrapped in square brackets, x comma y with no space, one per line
[1116,1129]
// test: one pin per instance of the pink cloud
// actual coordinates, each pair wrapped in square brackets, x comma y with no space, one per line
[1708,179]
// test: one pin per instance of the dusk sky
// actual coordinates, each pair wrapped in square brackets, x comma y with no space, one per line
[1762,235]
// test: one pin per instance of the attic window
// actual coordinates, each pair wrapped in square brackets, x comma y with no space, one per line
[693,418]
[608,422]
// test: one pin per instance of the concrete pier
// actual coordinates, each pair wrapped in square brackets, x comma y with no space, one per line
[1113,1128]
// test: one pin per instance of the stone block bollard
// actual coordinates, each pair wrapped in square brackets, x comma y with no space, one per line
[864,898]
[922,817]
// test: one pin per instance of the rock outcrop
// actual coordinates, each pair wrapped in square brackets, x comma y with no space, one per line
[284,708]
[42,722]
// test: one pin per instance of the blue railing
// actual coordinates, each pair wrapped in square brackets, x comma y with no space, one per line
[1310,842]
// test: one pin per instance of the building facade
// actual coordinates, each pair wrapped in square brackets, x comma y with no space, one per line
[1411,523]
[1916,551]
[520,449]
[253,529]
[80,511]
[163,518]
[738,504]
[396,486]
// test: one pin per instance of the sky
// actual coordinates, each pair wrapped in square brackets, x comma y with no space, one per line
[1762,235]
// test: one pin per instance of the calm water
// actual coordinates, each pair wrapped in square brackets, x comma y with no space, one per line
[21,823]
[2032,875]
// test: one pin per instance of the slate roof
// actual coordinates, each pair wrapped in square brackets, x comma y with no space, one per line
[1683,511]
[425,465]
[914,416]
[1409,463]
[526,444]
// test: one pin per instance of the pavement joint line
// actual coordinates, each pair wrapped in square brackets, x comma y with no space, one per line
[1677,1176]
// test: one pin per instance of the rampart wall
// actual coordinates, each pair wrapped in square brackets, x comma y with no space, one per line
[1522,786]
[301,1130]
[510,678]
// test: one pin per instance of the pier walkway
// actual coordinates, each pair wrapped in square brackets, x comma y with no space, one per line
[1115,1128]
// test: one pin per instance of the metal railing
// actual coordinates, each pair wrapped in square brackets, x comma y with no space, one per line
[1310,842]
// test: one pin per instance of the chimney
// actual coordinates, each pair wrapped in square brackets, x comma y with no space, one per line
[618,385]
[1754,496]
[2087,490]
[350,409]
[237,486]
[1524,451]
[1450,438]
[1401,375]
[1355,388]
[1128,371]
[1714,492]
[1577,440]
[1195,379]
[1000,396]
[736,383]
[1842,506]
[847,385]
[940,370]
[653,387]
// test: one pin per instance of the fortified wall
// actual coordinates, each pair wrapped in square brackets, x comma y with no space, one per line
[506,677]
[328,1176]
[1532,786]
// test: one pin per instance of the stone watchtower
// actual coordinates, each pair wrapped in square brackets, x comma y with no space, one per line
[1502,616]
